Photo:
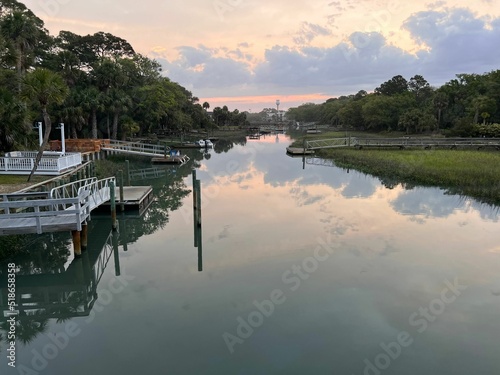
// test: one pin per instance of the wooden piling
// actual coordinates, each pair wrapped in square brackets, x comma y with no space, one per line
[122,200]
[84,236]
[77,246]
[127,169]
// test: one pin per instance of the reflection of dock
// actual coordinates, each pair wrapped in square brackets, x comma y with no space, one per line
[171,160]
[71,293]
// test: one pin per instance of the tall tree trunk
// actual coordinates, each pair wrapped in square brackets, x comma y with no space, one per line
[115,125]
[48,128]
[476,116]
[94,124]
[74,135]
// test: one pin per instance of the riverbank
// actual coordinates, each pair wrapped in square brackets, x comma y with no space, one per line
[11,183]
[473,173]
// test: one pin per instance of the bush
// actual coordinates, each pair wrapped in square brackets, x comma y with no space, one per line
[487,131]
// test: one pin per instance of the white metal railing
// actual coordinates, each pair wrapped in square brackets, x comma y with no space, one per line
[22,162]
[99,190]
[70,190]
[137,148]
[330,143]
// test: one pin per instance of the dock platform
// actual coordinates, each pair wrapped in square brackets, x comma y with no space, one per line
[135,198]
[298,151]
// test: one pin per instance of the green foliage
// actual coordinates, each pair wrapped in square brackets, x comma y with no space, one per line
[487,131]
[413,106]
[112,89]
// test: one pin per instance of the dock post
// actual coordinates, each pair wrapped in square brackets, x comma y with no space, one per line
[127,168]
[112,200]
[165,150]
[305,146]
[349,144]
[77,246]
[122,203]
[84,236]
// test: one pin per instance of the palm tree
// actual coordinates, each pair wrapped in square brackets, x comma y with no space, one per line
[120,102]
[23,33]
[91,99]
[206,106]
[44,87]
[440,103]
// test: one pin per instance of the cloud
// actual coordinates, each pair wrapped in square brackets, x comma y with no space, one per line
[452,41]
[308,32]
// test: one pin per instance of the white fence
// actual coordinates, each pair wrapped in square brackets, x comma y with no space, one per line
[22,162]
[136,148]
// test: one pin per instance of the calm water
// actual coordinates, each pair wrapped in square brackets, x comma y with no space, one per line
[304,271]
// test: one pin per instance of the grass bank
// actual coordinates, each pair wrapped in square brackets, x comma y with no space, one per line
[473,173]
[12,183]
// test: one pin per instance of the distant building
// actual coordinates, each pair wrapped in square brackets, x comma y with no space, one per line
[276,115]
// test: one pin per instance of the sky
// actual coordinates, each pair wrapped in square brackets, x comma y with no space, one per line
[248,53]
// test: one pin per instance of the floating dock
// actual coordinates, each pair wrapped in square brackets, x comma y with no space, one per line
[135,198]
[298,151]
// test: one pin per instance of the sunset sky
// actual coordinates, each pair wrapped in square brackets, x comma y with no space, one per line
[248,53]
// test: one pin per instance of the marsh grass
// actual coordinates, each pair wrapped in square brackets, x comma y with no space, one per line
[14,179]
[473,173]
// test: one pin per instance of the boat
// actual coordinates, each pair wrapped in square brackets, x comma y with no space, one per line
[209,144]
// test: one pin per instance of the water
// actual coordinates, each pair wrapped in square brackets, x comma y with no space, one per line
[304,271]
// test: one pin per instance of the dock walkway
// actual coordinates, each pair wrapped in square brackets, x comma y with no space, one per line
[135,148]
[66,207]
[402,143]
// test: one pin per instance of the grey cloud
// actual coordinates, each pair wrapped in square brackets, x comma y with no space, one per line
[457,41]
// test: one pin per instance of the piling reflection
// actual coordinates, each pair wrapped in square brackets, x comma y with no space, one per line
[198,241]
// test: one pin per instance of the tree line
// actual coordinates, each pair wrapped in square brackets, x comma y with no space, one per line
[468,105]
[97,85]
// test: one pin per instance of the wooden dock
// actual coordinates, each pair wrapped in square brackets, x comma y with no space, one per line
[135,198]
[404,142]
[298,151]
